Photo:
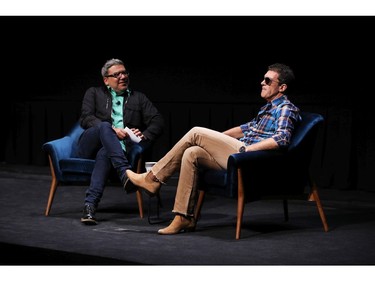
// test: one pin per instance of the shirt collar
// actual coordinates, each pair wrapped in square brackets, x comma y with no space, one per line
[279,100]
[274,103]
[117,94]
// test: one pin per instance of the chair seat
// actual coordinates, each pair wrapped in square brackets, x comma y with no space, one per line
[77,165]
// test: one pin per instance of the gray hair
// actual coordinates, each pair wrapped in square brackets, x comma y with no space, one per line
[110,63]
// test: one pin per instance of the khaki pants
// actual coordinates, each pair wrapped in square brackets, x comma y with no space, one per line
[199,148]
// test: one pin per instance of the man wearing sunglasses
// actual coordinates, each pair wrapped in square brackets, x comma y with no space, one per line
[106,112]
[203,148]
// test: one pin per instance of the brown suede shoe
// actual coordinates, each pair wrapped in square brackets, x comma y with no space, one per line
[179,224]
[146,181]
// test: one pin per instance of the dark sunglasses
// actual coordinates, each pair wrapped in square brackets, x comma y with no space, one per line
[269,81]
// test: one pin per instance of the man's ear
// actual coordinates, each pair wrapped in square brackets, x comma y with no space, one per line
[283,87]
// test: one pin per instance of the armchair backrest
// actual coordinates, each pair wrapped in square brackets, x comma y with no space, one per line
[74,134]
[301,148]
[63,148]
[305,128]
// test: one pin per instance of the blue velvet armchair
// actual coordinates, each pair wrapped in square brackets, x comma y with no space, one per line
[68,169]
[270,174]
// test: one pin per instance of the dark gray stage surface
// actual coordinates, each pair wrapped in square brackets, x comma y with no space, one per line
[122,238]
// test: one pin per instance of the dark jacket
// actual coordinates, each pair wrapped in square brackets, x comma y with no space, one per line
[139,111]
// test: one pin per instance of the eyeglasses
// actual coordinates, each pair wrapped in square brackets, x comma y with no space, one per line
[269,81]
[118,74]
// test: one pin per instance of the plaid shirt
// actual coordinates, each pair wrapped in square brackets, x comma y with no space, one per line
[275,120]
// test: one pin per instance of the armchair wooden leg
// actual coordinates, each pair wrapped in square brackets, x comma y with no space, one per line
[140,203]
[240,204]
[139,193]
[52,190]
[314,196]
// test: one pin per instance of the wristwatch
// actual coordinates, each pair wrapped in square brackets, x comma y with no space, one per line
[242,149]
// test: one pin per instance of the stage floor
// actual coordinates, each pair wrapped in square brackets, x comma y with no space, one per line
[123,238]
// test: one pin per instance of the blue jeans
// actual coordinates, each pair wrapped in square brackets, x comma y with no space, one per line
[101,143]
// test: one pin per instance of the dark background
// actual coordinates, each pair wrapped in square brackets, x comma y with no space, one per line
[198,71]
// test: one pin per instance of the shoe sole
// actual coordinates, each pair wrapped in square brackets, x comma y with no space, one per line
[130,187]
[88,221]
[184,230]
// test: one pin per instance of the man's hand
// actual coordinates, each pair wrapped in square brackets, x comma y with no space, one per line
[121,133]
[138,133]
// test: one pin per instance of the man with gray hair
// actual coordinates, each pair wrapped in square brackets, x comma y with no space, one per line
[106,112]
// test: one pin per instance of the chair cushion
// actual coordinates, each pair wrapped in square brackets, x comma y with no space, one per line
[77,165]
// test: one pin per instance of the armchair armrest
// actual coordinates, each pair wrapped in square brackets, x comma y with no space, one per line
[255,165]
[239,159]
[59,148]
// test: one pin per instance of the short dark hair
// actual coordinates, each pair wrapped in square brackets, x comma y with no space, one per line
[286,74]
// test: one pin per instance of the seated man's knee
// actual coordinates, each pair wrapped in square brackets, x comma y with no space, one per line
[104,125]
[192,153]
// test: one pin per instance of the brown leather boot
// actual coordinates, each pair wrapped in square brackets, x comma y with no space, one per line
[179,224]
[146,181]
